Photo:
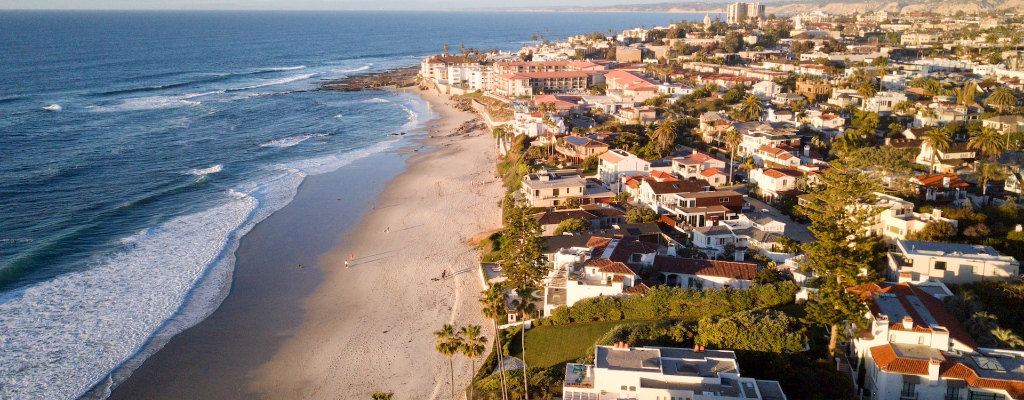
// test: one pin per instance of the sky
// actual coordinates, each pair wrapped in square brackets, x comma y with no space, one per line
[297,4]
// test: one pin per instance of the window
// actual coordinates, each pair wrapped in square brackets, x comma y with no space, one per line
[952,393]
[940,265]
[634,258]
[920,340]
[554,192]
[623,388]
[909,389]
[985,396]
[895,230]
[973,269]
[723,199]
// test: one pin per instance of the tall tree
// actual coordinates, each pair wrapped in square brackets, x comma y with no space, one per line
[732,142]
[1002,98]
[494,308]
[523,262]
[751,109]
[845,253]
[989,172]
[525,304]
[664,136]
[448,343]
[473,345]
[966,95]
[986,141]
[937,141]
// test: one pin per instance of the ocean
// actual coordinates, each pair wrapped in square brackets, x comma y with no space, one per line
[137,148]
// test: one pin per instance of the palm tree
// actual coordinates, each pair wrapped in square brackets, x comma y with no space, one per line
[965,95]
[473,346]
[448,344]
[665,136]
[751,108]
[494,307]
[937,141]
[1007,338]
[986,141]
[868,89]
[980,324]
[525,304]
[1002,98]
[732,141]
[989,172]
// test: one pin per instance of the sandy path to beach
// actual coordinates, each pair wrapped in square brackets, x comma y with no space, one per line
[370,327]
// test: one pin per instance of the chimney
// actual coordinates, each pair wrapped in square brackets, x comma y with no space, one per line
[888,141]
[807,150]
[945,181]
[694,151]
[937,213]
[908,323]
[933,369]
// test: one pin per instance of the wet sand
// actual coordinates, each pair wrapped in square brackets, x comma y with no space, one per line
[327,332]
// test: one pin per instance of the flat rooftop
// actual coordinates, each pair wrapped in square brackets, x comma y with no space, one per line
[633,359]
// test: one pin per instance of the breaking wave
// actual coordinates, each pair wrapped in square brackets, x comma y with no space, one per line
[291,140]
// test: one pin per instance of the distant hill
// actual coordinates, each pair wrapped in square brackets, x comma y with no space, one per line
[794,7]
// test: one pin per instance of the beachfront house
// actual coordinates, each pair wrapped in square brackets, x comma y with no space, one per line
[545,189]
[663,373]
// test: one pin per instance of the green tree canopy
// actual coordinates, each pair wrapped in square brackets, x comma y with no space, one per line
[572,225]
[640,214]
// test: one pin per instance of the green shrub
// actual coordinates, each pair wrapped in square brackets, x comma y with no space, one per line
[763,330]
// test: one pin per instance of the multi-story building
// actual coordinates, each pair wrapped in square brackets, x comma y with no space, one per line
[530,83]
[545,189]
[742,12]
[949,262]
[617,163]
[915,349]
[436,68]
[812,90]
[692,165]
[899,219]
[657,373]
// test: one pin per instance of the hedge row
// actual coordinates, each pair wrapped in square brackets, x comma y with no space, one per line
[664,302]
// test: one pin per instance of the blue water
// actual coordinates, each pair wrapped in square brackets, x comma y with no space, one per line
[137,147]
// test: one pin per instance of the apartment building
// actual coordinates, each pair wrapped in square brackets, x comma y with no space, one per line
[742,12]
[617,163]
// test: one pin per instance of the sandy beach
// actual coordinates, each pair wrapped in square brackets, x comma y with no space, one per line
[369,327]
[325,331]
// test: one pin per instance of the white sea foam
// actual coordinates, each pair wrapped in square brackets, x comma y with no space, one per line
[148,103]
[288,68]
[53,107]
[337,116]
[280,81]
[60,337]
[205,171]
[363,68]
[376,100]
[291,140]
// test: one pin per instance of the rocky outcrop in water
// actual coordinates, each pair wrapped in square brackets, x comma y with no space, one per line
[401,77]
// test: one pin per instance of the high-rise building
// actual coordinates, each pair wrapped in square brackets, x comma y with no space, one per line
[742,12]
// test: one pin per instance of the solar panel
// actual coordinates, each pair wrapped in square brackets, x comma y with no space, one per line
[988,363]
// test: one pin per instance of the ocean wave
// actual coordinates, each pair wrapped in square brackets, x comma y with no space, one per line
[346,71]
[53,107]
[286,68]
[205,171]
[62,336]
[151,103]
[376,100]
[291,140]
[273,82]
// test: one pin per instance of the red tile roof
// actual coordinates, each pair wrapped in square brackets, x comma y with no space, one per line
[711,172]
[887,360]
[933,305]
[724,269]
[935,180]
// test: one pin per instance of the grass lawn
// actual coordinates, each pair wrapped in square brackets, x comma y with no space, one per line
[553,345]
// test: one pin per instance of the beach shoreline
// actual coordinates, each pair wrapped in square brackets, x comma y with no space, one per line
[323,331]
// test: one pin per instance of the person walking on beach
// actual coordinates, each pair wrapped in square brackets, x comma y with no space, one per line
[387,230]
[346,264]
[351,256]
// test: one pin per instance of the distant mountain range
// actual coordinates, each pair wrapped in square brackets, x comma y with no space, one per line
[794,7]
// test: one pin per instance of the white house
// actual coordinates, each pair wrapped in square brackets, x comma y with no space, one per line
[604,267]
[545,189]
[775,182]
[915,349]
[827,121]
[617,163]
[883,102]
[537,124]
[766,89]
[899,219]
[704,274]
[945,161]
[692,165]
[657,195]
[663,373]
[949,262]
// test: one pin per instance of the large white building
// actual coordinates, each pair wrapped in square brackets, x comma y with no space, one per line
[663,373]
[949,262]
[742,12]
[899,219]
[617,163]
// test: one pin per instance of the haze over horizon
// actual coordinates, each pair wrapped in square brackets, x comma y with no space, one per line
[348,5]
